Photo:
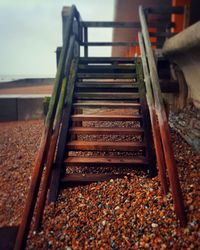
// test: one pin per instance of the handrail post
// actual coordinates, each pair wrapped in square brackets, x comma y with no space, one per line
[58,52]
[65,18]
[76,31]
[85,41]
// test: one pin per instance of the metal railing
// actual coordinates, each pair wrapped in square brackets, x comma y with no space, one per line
[65,74]
[160,127]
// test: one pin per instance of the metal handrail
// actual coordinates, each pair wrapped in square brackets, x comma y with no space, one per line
[50,132]
[163,123]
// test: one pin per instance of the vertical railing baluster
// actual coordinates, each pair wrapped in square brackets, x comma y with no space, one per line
[86,40]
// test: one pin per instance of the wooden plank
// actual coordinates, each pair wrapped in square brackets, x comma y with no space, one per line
[97,44]
[115,44]
[106,131]
[63,137]
[163,124]
[106,67]
[110,84]
[45,143]
[85,30]
[106,117]
[107,60]
[131,89]
[84,179]
[106,161]
[118,105]
[105,96]
[121,24]
[107,75]
[154,123]
[111,24]
[52,148]
[105,146]
[150,154]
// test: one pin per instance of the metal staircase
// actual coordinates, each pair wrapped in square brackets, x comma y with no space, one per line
[108,117]
[105,113]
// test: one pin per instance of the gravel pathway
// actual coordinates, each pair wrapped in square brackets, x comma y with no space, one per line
[18,145]
[128,213]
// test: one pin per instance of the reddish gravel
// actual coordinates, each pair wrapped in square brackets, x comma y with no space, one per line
[128,213]
[18,144]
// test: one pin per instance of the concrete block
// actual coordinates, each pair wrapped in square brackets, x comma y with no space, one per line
[8,109]
[30,108]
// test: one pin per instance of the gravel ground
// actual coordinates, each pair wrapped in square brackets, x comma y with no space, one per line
[128,213]
[18,145]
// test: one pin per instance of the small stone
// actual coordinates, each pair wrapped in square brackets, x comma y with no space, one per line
[154,225]
[103,222]
[50,243]
[117,208]
[68,248]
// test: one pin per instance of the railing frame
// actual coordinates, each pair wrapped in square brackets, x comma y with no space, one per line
[50,132]
[163,124]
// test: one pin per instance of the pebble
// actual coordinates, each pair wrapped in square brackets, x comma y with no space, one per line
[103,222]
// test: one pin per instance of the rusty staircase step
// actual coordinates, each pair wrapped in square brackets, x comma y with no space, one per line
[106,75]
[106,117]
[117,105]
[104,146]
[104,67]
[106,96]
[106,131]
[99,60]
[105,84]
[107,87]
[112,82]
[106,161]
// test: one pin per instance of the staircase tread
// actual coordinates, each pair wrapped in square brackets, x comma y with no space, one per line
[106,59]
[106,117]
[108,85]
[107,93]
[101,130]
[106,75]
[104,145]
[107,104]
[105,160]
[119,83]
[123,66]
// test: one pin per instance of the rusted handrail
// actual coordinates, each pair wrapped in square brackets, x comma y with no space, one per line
[163,124]
[153,117]
[53,143]
[51,125]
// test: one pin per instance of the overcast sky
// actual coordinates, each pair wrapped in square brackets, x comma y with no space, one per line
[31,30]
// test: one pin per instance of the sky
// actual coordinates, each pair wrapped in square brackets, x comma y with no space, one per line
[31,30]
